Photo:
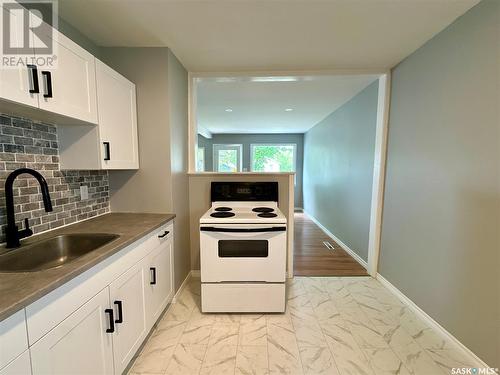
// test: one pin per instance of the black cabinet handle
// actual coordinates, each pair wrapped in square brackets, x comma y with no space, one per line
[111,328]
[119,304]
[164,234]
[107,151]
[48,81]
[34,79]
[153,280]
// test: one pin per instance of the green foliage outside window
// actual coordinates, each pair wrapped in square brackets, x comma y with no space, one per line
[273,158]
[228,161]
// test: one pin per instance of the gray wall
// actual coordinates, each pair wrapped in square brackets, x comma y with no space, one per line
[178,119]
[161,184]
[338,169]
[440,237]
[247,139]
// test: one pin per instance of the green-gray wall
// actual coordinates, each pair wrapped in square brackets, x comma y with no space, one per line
[440,238]
[338,169]
[247,140]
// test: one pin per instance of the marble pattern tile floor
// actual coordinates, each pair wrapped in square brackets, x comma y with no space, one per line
[333,325]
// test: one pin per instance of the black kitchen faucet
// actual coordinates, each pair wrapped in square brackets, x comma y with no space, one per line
[12,234]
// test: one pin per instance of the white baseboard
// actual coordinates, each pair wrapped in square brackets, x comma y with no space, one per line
[338,241]
[183,285]
[432,323]
[196,273]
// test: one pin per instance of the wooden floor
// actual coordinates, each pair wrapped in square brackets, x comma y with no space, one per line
[313,258]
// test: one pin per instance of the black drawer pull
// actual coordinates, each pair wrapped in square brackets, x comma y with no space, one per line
[48,82]
[153,274]
[164,234]
[34,79]
[111,328]
[119,319]
[107,151]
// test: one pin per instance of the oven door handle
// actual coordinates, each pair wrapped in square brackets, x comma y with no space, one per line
[243,230]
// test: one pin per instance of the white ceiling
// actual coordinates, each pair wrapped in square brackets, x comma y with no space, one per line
[255,35]
[258,105]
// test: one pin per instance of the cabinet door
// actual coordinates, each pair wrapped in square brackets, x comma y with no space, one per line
[15,83]
[127,298]
[159,280]
[72,82]
[13,337]
[117,119]
[79,344]
[19,366]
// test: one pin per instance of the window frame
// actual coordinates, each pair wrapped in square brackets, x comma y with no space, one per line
[252,154]
[215,156]
[198,149]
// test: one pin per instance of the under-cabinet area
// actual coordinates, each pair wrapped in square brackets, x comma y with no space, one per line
[102,305]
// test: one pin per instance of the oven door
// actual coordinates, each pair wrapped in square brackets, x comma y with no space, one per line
[243,252]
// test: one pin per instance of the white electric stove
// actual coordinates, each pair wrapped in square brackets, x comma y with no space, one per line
[243,239]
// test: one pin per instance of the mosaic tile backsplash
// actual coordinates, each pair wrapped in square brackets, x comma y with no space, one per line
[30,144]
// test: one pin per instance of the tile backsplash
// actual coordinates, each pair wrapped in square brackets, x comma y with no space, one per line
[31,144]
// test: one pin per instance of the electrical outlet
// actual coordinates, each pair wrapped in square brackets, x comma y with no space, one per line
[84,192]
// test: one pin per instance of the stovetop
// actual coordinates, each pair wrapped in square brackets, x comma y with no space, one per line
[243,213]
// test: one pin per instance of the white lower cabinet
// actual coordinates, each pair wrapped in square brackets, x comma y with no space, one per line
[78,345]
[102,335]
[127,298]
[159,281]
[13,338]
[19,366]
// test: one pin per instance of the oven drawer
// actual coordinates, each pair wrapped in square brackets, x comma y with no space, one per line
[238,255]
[243,297]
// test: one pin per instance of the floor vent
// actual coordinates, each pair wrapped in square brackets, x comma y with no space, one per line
[328,245]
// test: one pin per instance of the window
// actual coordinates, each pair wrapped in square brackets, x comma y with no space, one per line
[200,159]
[227,158]
[273,157]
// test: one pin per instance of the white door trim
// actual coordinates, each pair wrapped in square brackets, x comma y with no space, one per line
[384,88]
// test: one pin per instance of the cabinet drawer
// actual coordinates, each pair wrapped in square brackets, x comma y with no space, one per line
[13,337]
[162,234]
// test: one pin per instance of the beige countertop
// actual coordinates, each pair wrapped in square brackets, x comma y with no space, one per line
[18,290]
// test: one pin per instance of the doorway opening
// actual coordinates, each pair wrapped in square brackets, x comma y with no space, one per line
[326,128]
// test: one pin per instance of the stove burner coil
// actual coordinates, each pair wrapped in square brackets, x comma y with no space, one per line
[263,209]
[223,209]
[222,214]
[267,214]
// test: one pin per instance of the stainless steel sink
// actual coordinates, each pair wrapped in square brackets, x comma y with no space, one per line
[52,252]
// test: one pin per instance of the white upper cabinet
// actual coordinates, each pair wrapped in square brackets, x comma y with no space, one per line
[75,91]
[69,89]
[20,84]
[117,119]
